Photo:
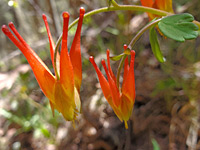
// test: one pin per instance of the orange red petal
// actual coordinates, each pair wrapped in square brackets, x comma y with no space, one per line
[62,93]
[44,77]
[129,84]
[52,45]
[165,5]
[147,3]
[102,80]
[106,89]
[113,86]
[75,52]
[109,67]
[66,68]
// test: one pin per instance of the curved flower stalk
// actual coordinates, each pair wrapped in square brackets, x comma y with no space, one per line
[120,99]
[165,5]
[63,89]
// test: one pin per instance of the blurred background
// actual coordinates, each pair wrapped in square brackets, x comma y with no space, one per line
[166,114]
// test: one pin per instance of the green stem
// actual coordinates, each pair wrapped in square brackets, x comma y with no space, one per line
[138,35]
[122,7]
[114,3]
[118,7]
[115,7]
[141,32]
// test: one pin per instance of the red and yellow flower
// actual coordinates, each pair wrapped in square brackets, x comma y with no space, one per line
[165,5]
[120,99]
[63,89]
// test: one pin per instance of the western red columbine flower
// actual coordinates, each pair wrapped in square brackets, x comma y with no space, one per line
[63,89]
[120,99]
[165,5]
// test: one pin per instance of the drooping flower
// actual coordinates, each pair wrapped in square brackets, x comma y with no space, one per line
[165,5]
[120,99]
[63,89]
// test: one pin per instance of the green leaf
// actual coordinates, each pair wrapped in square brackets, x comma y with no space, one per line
[155,144]
[155,45]
[45,132]
[127,52]
[116,58]
[112,31]
[179,27]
